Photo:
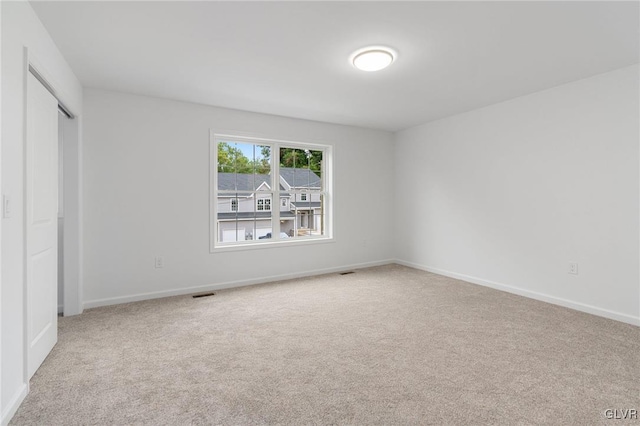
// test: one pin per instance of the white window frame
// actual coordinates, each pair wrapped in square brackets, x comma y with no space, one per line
[234,201]
[263,205]
[274,190]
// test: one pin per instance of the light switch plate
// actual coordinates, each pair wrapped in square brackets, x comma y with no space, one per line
[7,206]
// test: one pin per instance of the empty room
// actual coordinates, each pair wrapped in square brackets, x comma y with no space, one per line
[355,213]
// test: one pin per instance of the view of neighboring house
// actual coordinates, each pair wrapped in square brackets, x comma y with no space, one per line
[246,214]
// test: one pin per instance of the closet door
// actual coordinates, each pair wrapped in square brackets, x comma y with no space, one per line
[41,211]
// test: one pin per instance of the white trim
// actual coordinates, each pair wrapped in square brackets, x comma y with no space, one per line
[240,219]
[2,194]
[25,288]
[14,404]
[285,184]
[72,229]
[272,243]
[256,139]
[594,310]
[213,183]
[275,193]
[263,183]
[232,284]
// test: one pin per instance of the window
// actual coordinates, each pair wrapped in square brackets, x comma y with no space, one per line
[252,173]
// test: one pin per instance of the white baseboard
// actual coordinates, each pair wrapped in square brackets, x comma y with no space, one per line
[530,294]
[13,405]
[240,283]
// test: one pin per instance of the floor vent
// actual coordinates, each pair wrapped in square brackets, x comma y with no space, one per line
[195,296]
[347,273]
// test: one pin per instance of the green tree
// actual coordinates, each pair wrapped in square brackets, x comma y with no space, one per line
[263,165]
[296,158]
[231,159]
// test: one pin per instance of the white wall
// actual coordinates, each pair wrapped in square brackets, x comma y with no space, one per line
[21,28]
[146,194]
[509,194]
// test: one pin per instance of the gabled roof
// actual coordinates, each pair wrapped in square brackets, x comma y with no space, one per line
[242,182]
[298,178]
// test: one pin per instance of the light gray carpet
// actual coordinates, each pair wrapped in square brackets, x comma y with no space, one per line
[386,345]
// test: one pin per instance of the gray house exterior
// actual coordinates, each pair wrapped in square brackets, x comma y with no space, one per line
[246,213]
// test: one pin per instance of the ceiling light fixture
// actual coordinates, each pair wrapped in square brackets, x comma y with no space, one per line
[373,58]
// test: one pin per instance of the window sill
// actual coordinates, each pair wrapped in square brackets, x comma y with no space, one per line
[271,244]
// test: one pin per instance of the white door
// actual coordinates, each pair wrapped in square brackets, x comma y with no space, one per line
[41,222]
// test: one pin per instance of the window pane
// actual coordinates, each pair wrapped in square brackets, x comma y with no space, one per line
[262,159]
[261,228]
[229,204]
[243,166]
[246,222]
[244,229]
[310,224]
[308,217]
[311,200]
[230,232]
[315,164]
[301,169]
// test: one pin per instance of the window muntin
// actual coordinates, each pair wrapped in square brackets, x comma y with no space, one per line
[246,170]
[234,204]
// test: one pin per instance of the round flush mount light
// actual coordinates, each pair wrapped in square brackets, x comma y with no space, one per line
[373,58]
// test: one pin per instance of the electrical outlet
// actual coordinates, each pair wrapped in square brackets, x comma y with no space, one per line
[573,268]
[159,262]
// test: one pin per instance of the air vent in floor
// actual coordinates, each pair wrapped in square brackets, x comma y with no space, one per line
[195,296]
